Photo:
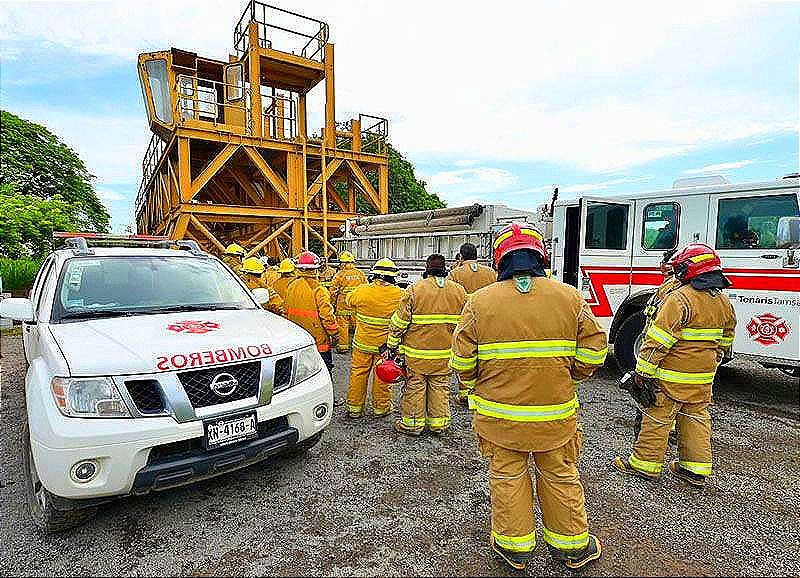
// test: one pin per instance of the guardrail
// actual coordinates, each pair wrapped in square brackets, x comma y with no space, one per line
[283,30]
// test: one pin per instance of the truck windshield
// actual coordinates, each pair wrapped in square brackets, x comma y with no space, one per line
[117,286]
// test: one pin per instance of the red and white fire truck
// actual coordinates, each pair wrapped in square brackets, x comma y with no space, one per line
[611,247]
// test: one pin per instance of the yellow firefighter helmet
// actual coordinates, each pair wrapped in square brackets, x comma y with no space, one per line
[234,249]
[346,257]
[253,265]
[384,267]
[286,266]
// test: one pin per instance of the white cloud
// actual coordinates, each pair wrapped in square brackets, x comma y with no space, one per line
[110,196]
[483,179]
[465,163]
[720,167]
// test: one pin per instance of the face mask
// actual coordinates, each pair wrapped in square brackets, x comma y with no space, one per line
[523,283]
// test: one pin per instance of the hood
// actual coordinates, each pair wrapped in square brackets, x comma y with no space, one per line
[174,341]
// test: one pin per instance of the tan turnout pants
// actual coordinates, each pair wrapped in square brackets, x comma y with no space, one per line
[347,327]
[361,368]
[425,402]
[694,436]
[558,489]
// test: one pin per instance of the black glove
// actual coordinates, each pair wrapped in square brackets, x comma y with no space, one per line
[643,390]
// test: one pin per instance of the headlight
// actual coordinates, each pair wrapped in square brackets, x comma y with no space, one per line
[88,397]
[309,363]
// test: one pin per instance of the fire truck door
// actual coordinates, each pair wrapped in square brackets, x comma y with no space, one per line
[605,256]
[743,227]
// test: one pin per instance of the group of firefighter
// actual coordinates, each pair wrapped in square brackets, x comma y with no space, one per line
[521,343]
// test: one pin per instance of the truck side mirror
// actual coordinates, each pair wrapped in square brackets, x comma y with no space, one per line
[788,236]
[17,308]
[261,295]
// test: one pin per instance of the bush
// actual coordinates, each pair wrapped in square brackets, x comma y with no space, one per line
[18,274]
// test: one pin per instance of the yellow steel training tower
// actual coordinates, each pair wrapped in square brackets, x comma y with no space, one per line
[231,159]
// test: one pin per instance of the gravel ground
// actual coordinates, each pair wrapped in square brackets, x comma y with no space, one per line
[366,501]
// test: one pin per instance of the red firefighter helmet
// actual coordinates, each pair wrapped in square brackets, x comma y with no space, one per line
[518,236]
[308,260]
[693,260]
[389,371]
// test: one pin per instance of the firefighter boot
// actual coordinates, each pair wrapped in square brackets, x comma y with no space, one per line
[517,560]
[625,467]
[400,428]
[584,556]
[689,477]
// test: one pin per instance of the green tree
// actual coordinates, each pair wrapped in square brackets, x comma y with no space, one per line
[38,164]
[27,222]
[406,192]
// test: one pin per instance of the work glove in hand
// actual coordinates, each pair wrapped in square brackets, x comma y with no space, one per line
[643,390]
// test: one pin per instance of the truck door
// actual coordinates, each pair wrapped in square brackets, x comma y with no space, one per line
[604,259]
[766,282]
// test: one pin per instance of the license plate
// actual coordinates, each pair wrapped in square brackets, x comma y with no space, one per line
[229,430]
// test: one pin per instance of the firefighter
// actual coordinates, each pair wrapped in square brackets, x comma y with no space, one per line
[286,273]
[422,331]
[373,305]
[469,273]
[342,284]
[251,272]
[234,254]
[271,273]
[309,305]
[690,335]
[669,284]
[326,274]
[521,346]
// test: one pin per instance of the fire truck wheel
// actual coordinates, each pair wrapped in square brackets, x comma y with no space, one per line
[628,341]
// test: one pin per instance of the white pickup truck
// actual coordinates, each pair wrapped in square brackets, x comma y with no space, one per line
[149,368]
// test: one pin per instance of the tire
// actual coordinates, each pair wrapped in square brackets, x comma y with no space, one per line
[44,515]
[301,448]
[628,341]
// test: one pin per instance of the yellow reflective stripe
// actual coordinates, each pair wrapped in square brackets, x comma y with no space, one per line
[382,321]
[645,367]
[591,356]
[661,336]
[365,348]
[399,322]
[525,349]
[393,341]
[425,353]
[354,408]
[644,465]
[565,541]
[524,543]
[469,382]
[523,230]
[701,334]
[524,413]
[683,377]
[413,422]
[438,421]
[435,319]
[726,341]
[699,468]
[344,312]
[463,363]
[701,258]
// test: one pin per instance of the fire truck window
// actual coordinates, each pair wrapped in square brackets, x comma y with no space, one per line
[752,222]
[159,87]
[606,226]
[660,226]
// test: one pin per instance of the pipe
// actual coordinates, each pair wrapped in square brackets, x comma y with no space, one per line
[416,224]
[471,210]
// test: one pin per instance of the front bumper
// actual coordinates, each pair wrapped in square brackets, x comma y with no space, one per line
[122,447]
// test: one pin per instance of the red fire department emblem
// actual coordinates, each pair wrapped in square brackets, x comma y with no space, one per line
[767,329]
[198,327]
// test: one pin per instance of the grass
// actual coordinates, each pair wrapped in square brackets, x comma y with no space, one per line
[18,274]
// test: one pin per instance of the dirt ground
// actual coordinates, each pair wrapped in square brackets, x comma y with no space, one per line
[366,501]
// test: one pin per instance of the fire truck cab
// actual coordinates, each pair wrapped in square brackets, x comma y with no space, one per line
[610,248]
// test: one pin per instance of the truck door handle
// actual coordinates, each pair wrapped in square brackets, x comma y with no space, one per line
[770,256]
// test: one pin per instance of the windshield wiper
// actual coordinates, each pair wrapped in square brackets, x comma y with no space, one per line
[197,307]
[97,314]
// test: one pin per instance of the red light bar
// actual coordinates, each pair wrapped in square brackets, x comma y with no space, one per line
[69,235]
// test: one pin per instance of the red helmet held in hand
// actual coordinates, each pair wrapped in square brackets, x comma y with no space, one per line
[695,259]
[389,371]
[518,236]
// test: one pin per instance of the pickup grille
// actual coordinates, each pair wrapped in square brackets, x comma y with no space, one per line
[198,383]
[146,394]
[283,374]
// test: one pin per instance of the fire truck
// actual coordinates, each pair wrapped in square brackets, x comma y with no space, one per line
[610,249]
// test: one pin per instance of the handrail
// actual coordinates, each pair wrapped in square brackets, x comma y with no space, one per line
[257,12]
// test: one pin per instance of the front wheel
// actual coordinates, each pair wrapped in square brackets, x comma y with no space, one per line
[628,341]
[40,502]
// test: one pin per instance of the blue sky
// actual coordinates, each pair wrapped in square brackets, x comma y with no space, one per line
[492,102]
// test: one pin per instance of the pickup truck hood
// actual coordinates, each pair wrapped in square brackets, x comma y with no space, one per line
[173,341]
